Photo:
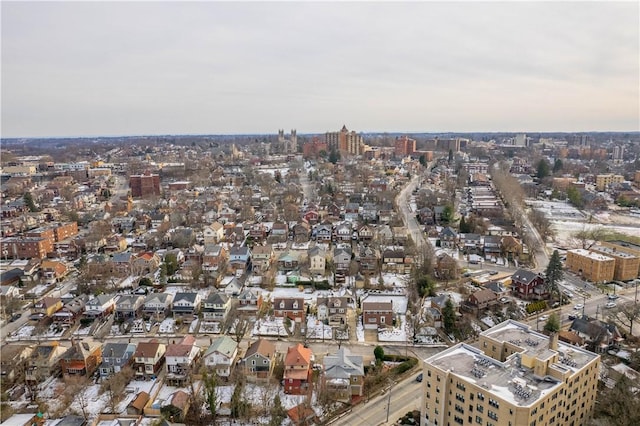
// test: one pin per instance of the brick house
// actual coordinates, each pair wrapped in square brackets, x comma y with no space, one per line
[529,285]
[290,307]
[377,314]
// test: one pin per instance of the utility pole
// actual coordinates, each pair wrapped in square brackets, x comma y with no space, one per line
[389,402]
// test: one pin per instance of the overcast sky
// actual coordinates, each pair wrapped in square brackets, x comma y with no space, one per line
[118,68]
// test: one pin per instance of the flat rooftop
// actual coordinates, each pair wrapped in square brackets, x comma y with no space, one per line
[590,255]
[613,252]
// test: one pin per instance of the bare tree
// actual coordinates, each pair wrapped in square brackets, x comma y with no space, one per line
[235,323]
[115,385]
[76,390]
[626,314]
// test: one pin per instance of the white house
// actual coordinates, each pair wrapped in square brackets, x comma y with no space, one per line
[221,355]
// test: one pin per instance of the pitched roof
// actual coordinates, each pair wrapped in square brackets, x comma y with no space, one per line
[298,355]
[263,347]
[525,276]
[147,349]
[343,365]
[224,345]
[484,295]
[377,306]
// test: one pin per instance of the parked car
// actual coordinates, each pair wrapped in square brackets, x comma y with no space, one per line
[578,306]
[613,296]
[572,317]
[610,305]
[15,317]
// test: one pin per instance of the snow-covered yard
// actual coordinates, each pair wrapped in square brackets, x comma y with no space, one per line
[193,326]
[399,300]
[360,331]
[210,327]
[168,325]
[317,329]
[83,331]
[395,334]
[270,327]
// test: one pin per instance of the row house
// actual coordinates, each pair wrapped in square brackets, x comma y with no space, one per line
[157,305]
[301,232]
[323,232]
[288,261]
[258,232]
[448,238]
[289,307]
[352,212]
[44,362]
[116,356]
[214,233]
[239,258]
[311,216]
[221,355]
[342,258]
[366,234]
[279,233]
[343,232]
[396,260]
[148,359]
[179,360]
[377,314]
[259,360]
[231,286]
[46,307]
[368,259]
[249,301]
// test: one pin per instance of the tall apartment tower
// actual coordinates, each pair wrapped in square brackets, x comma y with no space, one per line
[618,153]
[345,141]
[145,184]
[520,140]
[404,146]
[516,376]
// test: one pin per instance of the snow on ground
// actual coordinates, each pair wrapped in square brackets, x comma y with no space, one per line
[23,332]
[399,301]
[168,325]
[360,331]
[395,334]
[210,327]
[166,393]
[316,329]
[38,290]
[395,280]
[269,327]
[193,326]
[92,399]
[131,391]
[83,331]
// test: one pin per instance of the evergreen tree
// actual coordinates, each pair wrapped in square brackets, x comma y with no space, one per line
[447,214]
[28,200]
[378,353]
[464,227]
[553,324]
[543,169]
[557,165]
[334,156]
[278,413]
[554,273]
[171,263]
[449,316]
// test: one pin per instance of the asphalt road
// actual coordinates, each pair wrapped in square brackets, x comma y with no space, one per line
[404,396]
[409,217]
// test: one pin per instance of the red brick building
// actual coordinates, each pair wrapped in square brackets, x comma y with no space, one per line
[290,307]
[404,146]
[377,314]
[145,184]
[25,247]
[297,370]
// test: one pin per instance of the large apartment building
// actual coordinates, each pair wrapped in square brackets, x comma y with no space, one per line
[144,185]
[516,377]
[404,146]
[626,263]
[626,246]
[602,181]
[592,266]
[25,247]
[345,141]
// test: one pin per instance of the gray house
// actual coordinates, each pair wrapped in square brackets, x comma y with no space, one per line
[157,305]
[115,356]
[128,306]
[186,306]
[344,375]
[216,307]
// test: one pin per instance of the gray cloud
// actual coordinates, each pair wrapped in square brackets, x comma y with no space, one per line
[207,67]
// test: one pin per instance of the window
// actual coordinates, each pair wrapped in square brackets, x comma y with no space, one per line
[494,403]
[382,319]
[479,420]
[480,408]
[492,415]
[480,396]
[253,362]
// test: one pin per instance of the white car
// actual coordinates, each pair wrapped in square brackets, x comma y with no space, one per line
[610,305]
[544,317]
[578,306]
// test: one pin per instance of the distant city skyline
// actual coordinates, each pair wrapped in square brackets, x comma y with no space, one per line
[74,69]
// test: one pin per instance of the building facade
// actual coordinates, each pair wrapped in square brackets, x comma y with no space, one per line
[592,266]
[145,184]
[345,141]
[626,263]
[517,377]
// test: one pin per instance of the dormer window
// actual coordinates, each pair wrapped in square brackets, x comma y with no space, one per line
[295,305]
[282,305]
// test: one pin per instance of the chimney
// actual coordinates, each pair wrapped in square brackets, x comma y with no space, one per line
[553,341]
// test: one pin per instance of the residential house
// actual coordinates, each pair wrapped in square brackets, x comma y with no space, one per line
[297,370]
[157,219]
[370,212]
[239,258]
[70,312]
[47,306]
[396,260]
[231,286]
[471,243]
[279,233]
[121,262]
[128,306]
[351,212]
[448,238]
[44,362]
[301,231]
[186,306]
[214,259]
[221,355]
[343,375]
[289,307]
[366,233]
[341,258]
[11,357]
[511,247]
[400,234]
[385,215]
[323,232]
[216,307]
[385,234]
[260,359]
[311,216]
[148,358]
[529,285]
[81,359]
[368,259]
[157,305]
[214,233]
[334,211]
[249,301]
[377,314]
[116,356]
[426,216]
[145,263]
[344,232]
[317,260]
[333,310]
[598,335]
[180,359]
[261,258]
[288,261]
[258,232]
[53,271]
[480,300]
[100,306]
[492,246]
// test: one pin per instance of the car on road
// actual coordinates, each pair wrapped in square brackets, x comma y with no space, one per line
[612,296]
[571,317]
[493,272]
[504,300]
[567,293]
[610,305]
[544,317]
[15,317]
[578,306]
[419,378]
